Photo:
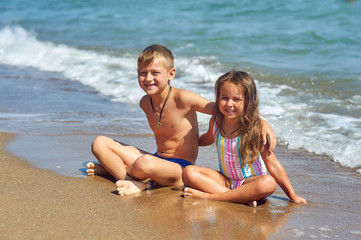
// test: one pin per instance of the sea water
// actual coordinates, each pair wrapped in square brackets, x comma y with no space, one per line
[69,67]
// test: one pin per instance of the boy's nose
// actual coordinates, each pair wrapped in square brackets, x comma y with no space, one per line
[148,77]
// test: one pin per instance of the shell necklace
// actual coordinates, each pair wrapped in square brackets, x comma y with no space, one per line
[157,115]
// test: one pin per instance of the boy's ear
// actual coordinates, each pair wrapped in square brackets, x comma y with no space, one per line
[171,74]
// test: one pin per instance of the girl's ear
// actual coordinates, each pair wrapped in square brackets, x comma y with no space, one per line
[171,74]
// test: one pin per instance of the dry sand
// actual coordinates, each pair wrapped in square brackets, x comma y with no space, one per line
[40,204]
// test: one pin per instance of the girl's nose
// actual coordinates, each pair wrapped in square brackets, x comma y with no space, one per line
[229,103]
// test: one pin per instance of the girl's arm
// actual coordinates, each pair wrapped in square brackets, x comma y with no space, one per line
[277,171]
[207,138]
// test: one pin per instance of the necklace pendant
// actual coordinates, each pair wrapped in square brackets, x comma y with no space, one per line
[158,116]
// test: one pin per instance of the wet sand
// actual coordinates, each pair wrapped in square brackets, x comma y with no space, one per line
[40,204]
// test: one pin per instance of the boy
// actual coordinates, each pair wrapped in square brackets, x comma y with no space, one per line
[171,114]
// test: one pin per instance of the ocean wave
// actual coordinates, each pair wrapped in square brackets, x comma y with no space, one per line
[21,48]
[113,76]
[302,123]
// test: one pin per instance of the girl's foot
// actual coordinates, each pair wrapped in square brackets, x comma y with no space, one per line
[193,193]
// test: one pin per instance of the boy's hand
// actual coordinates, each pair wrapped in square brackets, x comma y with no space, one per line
[269,136]
[271,140]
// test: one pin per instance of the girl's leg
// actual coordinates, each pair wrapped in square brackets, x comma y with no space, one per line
[114,156]
[205,179]
[253,189]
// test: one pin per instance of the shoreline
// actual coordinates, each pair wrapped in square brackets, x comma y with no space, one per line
[41,204]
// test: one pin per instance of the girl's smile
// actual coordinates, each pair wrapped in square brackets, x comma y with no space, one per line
[231,102]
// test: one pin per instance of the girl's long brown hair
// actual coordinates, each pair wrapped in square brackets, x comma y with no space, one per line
[250,135]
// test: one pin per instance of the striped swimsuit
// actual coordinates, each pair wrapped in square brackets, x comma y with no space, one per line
[230,163]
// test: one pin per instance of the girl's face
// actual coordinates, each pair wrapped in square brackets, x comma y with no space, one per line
[231,100]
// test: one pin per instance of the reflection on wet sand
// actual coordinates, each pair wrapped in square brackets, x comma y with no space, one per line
[167,213]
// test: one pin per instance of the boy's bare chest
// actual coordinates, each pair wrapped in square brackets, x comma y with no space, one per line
[168,120]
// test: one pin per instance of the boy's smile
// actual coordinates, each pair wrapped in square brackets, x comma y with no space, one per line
[153,78]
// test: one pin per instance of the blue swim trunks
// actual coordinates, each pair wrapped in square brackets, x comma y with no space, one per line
[183,163]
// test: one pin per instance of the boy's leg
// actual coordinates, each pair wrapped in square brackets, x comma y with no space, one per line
[162,172]
[205,179]
[114,156]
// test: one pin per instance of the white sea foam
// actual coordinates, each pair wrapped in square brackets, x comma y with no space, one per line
[111,76]
[19,115]
[293,114]
[21,48]
[298,125]
[356,232]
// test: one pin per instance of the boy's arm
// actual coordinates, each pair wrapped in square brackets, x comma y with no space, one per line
[142,102]
[207,138]
[267,132]
[277,171]
[197,102]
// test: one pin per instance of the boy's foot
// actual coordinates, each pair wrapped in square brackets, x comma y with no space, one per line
[126,187]
[193,193]
[94,168]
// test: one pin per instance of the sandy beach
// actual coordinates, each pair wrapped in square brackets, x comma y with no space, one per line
[68,73]
[40,204]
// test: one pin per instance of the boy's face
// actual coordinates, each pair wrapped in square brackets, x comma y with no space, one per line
[153,78]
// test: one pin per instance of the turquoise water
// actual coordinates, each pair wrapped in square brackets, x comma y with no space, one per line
[305,55]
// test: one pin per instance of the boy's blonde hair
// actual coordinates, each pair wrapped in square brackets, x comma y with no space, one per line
[148,55]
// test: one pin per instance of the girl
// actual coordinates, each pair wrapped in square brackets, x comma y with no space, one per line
[235,127]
